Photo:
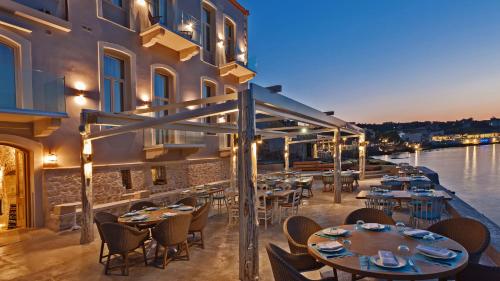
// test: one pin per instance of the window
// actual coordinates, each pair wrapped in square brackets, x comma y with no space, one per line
[7,76]
[208,90]
[158,10]
[114,84]
[230,40]
[230,118]
[208,30]
[159,175]
[126,179]
[161,86]
[115,11]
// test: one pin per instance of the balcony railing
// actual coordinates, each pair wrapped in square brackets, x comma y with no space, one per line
[48,92]
[184,24]
[57,8]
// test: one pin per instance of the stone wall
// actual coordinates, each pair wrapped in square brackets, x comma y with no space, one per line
[63,185]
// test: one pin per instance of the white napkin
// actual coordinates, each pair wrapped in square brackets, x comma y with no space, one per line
[139,218]
[330,245]
[434,251]
[372,225]
[168,214]
[334,231]
[388,258]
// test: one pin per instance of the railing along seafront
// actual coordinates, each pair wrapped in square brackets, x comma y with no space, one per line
[459,208]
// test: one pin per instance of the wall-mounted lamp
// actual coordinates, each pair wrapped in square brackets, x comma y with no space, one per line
[141,2]
[304,130]
[221,119]
[51,159]
[80,98]
[242,57]
[220,43]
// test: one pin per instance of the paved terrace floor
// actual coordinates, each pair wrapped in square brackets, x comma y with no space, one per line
[43,255]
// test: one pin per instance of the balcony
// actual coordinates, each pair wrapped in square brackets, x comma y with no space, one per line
[170,141]
[183,37]
[237,69]
[51,13]
[41,113]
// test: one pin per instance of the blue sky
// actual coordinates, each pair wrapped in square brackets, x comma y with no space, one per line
[381,60]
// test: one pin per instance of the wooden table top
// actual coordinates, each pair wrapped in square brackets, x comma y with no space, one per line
[154,217]
[402,194]
[368,243]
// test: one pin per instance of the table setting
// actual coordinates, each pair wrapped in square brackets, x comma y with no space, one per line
[387,252]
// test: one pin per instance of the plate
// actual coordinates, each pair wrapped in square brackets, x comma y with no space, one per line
[151,209]
[373,226]
[452,255]
[376,260]
[130,214]
[168,214]
[174,206]
[185,208]
[334,231]
[139,218]
[419,233]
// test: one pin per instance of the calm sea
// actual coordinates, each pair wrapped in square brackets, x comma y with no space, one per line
[473,172]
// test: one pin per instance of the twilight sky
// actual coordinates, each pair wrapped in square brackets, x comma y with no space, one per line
[381,60]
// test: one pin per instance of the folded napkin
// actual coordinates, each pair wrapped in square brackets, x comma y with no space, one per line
[129,214]
[139,218]
[329,246]
[372,225]
[434,251]
[334,231]
[387,258]
[419,233]
[168,214]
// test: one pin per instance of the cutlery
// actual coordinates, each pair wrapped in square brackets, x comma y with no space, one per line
[412,264]
[438,262]
[455,250]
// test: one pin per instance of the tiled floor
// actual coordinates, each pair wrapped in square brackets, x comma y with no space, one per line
[44,255]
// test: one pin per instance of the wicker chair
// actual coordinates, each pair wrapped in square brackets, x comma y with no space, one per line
[172,232]
[99,219]
[286,266]
[306,186]
[141,205]
[198,223]
[471,234]
[291,204]
[219,200]
[426,209]
[368,215]
[380,202]
[328,181]
[122,240]
[188,201]
[347,183]
[475,272]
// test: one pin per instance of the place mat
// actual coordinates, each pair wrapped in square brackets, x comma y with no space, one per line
[333,255]
[446,263]
[386,229]
[333,237]
[366,264]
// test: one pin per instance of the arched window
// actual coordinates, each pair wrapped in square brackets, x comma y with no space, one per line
[7,76]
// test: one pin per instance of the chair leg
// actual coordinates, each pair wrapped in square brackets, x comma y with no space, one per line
[201,239]
[156,252]
[164,264]
[186,247]
[100,253]
[106,268]
[125,259]
[144,254]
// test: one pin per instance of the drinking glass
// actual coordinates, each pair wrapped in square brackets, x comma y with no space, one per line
[359,223]
[400,226]
[347,243]
[404,251]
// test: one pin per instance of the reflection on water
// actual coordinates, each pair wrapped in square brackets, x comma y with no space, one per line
[473,172]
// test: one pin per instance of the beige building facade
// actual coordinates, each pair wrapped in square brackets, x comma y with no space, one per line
[58,57]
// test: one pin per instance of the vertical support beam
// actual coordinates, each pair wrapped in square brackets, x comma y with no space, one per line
[87,230]
[315,150]
[286,153]
[337,160]
[362,156]
[247,184]
[233,165]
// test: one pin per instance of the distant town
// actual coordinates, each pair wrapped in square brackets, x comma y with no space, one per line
[392,137]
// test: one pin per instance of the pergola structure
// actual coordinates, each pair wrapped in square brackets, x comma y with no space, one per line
[246,105]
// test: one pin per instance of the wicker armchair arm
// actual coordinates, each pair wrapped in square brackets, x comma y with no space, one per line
[303,262]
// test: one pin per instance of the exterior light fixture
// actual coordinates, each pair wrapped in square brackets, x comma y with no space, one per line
[303,130]
[258,139]
[80,98]
[51,159]
[189,26]
[221,119]
[220,43]
[242,57]
[142,3]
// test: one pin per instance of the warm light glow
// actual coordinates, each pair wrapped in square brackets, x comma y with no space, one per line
[145,97]
[189,26]
[87,170]
[80,100]
[220,44]
[242,57]
[303,130]
[80,86]
[221,119]
[141,3]
[51,159]
[87,147]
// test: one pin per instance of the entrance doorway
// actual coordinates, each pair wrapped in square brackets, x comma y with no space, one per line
[14,195]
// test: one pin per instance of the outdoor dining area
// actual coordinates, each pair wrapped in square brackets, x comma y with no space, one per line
[400,233]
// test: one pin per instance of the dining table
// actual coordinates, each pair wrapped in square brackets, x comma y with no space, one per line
[360,245]
[403,195]
[275,196]
[152,215]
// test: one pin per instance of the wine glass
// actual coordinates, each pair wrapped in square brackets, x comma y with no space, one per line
[359,223]
[400,226]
